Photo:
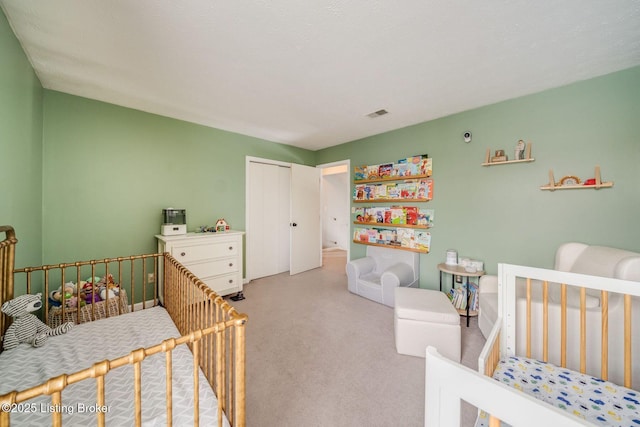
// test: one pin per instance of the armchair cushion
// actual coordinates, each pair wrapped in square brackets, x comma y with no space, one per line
[383,269]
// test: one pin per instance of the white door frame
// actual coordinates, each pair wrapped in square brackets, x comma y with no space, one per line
[347,192]
[248,160]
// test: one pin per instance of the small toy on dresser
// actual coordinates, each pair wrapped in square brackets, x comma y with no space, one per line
[27,328]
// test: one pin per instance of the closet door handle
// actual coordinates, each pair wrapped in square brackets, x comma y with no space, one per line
[295,224]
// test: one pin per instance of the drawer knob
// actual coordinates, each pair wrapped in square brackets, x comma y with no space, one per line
[230,248]
[183,253]
[230,264]
[230,280]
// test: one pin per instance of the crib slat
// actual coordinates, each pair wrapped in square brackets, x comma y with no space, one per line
[604,364]
[196,379]
[627,340]
[528,317]
[563,325]
[545,321]
[169,346]
[583,330]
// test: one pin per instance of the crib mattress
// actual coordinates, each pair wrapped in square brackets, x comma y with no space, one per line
[25,366]
[592,399]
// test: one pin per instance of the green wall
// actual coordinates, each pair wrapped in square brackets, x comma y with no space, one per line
[20,148]
[109,171]
[498,213]
[89,179]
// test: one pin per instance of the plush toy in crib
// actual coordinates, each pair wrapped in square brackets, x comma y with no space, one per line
[27,328]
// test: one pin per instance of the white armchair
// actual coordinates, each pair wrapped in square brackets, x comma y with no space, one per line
[572,257]
[377,275]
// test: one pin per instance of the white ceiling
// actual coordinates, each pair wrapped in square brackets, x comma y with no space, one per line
[307,72]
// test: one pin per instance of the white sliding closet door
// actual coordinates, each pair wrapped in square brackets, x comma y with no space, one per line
[269,200]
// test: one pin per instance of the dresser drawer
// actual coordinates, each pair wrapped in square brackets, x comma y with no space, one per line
[214,267]
[224,285]
[188,253]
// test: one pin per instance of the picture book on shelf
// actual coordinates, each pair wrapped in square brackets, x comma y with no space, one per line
[425,217]
[373,171]
[385,170]
[426,167]
[397,215]
[411,213]
[381,191]
[392,191]
[406,237]
[422,240]
[360,172]
[425,189]
[407,189]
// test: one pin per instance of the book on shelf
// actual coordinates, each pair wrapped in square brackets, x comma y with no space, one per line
[426,167]
[392,191]
[384,171]
[406,237]
[373,171]
[458,297]
[422,240]
[425,189]
[411,214]
[398,215]
[407,189]
[360,172]
[425,217]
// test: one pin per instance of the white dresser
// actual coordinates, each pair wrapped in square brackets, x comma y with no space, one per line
[216,258]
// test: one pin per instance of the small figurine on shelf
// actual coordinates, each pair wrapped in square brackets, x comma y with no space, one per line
[221,225]
[499,157]
[519,152]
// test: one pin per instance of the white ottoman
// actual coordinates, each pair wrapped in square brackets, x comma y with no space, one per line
[424,317]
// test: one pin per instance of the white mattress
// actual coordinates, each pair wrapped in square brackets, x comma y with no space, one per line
[25,366]
[591,399]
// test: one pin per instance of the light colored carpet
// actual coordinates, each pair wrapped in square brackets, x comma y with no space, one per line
[318,355]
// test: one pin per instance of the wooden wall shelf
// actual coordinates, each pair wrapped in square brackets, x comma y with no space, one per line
[553,185]
[527,158]
[391,200]
[400,248]
[387,225]
[391,178]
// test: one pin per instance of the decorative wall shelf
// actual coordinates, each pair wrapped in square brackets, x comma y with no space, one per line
[387,225]
[553,185]
[401,248]
[527,158]
[396,200]
[391,178]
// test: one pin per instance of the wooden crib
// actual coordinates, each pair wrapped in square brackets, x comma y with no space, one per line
[565,341]
[205,323]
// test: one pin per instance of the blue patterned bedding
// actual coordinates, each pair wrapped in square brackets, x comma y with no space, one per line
[592,399]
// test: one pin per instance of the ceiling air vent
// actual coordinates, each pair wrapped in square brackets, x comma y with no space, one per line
[377,113]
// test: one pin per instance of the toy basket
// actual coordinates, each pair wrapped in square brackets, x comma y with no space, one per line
[89,312]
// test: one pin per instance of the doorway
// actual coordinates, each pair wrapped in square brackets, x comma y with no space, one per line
[336,202]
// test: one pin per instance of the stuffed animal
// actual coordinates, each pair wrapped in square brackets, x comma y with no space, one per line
[27,328]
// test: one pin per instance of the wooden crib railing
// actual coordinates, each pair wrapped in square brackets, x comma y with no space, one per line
[212,328]
[559,324]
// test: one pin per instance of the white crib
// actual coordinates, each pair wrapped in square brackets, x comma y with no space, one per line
[566,343]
